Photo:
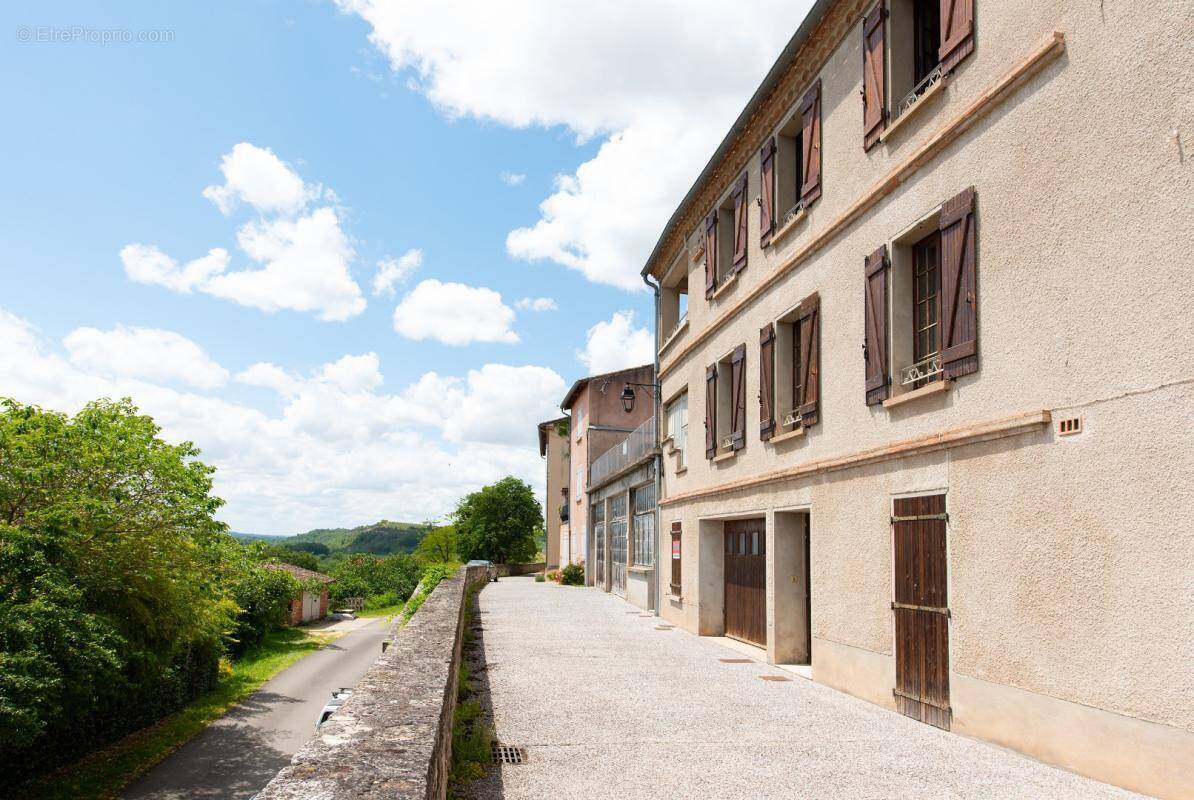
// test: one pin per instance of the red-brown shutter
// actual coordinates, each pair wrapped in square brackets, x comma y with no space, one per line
[766,381]
[711,411]
[740,218]
[710,253]
[959,298]
[957,32]
[810,115]
[809,322]
[738,386]
[767,192]
[875,322]
[874,75]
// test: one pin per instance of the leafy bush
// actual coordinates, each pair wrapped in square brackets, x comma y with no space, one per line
[499,523]
[384,600]
[431,578]
[539,577]
[554,575]
[367,575]
[572,575]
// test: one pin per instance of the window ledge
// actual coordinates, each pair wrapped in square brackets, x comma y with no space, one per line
[726,283]
[789,226]
[728,456]
[676,598]
[680,470]
[784,437]
[921,102]
[698,254]
[677,332]
[640,570]
[936,387]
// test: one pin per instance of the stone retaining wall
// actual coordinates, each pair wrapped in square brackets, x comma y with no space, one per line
[506,570]
[393,738]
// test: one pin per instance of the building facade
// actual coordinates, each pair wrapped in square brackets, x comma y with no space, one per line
[555,451]
[598,423]
[940,343]
[307,605]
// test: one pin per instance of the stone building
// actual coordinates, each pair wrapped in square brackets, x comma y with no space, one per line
[942,349]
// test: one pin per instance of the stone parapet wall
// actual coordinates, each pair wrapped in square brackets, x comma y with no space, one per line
[393,738]
[507,570]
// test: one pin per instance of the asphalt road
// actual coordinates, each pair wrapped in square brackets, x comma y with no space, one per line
[239,753]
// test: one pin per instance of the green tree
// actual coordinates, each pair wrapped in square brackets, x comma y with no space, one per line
[368,576]
[499,522]
[286,555]
[438,546]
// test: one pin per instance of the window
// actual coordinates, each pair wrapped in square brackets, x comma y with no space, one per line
[673,299]
[644,525]
[909,46]
[580,421]
[792,383]
[677,429]
[725,238]
[725,404]
[921,304]
[790,166]
[580,482]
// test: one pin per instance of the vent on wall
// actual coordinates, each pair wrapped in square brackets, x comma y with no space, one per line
[1068,426]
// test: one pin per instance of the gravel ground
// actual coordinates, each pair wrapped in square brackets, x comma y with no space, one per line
[609,707]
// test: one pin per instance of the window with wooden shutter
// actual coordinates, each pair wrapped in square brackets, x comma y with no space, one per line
[767,192]
[875,327]
[959,298]
[710,253]
[810,138]
[740,224]
[809,363]
[711,411]
[738,398]
[766,381]
[874,75]
[675,554]
[957,32]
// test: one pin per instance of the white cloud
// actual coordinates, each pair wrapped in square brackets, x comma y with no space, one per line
[339,451]
[396,270]
[303,254]
[148,353]
[536,304]
[256,176]
[616,344]
[512,178]
[661,117]
[454,314]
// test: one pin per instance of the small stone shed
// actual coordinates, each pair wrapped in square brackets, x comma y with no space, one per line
[308,605]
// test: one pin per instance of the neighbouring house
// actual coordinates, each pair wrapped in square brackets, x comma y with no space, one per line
[942,357]
[555,451]
[613,474]
[307,606]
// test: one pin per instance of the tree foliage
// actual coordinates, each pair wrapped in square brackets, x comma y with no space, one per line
[368,575]
[499,523]
[438,546]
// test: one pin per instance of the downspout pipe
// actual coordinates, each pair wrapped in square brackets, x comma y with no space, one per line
[657,400]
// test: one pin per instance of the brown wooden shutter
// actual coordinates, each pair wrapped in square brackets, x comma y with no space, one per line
[767,192]
[766,381]
[675,557]
[875,321]
[957,32]
[809,320]
[710,253]
[738,387]
[959,298]
[711,411]
[874,75]
[810,115]
[740,218]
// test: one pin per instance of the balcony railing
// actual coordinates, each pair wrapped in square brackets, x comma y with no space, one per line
[637,444]
[918,91]
[922,370]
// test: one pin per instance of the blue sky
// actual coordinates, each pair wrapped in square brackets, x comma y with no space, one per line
[398,123]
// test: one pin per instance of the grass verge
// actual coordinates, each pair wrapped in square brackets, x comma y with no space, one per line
[472,732]
[105,773]
[389,612]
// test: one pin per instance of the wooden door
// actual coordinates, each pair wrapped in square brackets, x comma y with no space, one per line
[921,610]
[599,555]
[746,580]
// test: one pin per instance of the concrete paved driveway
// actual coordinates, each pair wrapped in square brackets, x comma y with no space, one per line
[609,707]
[239,753]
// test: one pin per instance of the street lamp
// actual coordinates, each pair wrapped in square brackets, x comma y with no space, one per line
[627,395]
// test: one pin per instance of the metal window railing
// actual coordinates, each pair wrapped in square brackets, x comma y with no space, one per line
[637,444]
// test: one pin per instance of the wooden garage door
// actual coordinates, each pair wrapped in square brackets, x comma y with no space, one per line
[746,580]
[921,610]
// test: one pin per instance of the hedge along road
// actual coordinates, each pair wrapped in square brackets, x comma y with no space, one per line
[240,752]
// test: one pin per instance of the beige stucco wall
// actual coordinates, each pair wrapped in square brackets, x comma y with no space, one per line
[1070,559]
[556,466]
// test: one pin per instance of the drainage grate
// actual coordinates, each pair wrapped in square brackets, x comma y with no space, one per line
[735,660]
[774,678]
[507,754]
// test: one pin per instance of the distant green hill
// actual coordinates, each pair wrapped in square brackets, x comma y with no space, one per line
[381,538]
